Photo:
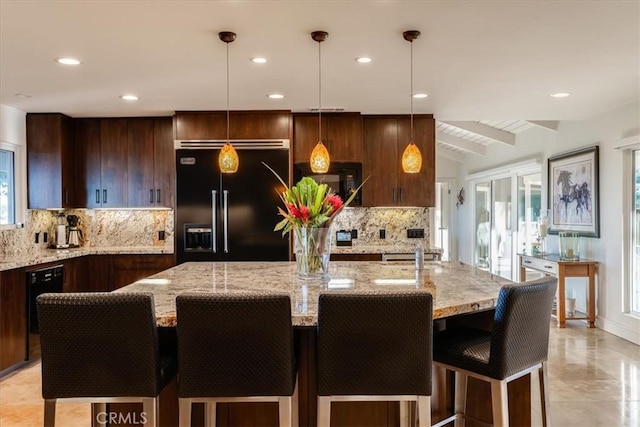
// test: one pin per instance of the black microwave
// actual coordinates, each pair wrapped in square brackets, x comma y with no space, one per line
[342,178]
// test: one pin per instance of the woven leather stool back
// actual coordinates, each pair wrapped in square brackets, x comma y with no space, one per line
[520,334]
[375,343]
[238,344]
[98,344]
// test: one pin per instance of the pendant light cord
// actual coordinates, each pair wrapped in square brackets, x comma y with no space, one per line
[411,94]
[319,92]
[227,92]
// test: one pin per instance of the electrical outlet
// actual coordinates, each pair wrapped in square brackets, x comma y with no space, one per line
[383,234]
[354,234]
[415,233]
[161,235]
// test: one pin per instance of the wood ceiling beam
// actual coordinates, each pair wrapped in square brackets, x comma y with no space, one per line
[492,133]
[545,124]
[445,151]
[462,144]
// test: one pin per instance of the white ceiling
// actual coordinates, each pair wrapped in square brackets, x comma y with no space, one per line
[491,61]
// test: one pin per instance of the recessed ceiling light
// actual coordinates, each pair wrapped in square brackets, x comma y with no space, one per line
[22,95]
[560,95]
[275,96]
[363,59]
[420,95]
[129,97]
[259,60]
[68,61]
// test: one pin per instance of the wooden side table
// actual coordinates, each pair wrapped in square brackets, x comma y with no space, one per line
[552,265]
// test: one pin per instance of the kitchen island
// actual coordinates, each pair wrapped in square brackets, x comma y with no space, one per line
[457,288]
[461,293]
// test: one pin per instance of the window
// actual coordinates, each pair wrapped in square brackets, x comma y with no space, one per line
[635,234]
[7,187]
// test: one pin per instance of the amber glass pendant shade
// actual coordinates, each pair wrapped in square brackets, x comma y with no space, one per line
[411,159]
[319,160]
[228,159]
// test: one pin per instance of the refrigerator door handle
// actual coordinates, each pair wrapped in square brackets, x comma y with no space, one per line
[214,221]
[225,219]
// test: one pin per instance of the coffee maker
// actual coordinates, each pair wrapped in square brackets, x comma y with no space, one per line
[75,234]
[60,232]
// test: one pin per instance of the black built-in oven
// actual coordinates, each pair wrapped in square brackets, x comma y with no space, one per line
[343,178]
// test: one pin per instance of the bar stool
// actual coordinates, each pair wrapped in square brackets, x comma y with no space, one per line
[516,346]
[101,347]
[375,347]
[235,347]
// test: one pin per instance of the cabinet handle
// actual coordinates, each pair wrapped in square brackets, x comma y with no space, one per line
[151,196]
[400,193]
[66,196]
[97,196]
[550,267]
[527,262]
[394,195]
[104,196]
[158,195]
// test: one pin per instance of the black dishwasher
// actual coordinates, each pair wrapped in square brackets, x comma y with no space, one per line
[40,281]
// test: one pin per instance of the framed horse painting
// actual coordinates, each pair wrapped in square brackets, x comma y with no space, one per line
[573,192]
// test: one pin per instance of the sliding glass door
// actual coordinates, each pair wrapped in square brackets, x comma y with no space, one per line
[504,229]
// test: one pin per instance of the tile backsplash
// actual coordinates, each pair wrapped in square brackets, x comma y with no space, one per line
[100,228]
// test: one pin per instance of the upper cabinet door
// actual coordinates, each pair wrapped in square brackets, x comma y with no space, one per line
[305,135]
[164,161]
[417,189]
[141,190]
[114,138]
[341,134]
[88,175]
[344,137]
[380,161]
[247,125]
[50,161]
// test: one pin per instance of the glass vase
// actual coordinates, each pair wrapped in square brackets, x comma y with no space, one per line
[312,246]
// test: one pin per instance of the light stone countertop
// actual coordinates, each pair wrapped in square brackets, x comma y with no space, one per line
[457,288]
[52,255]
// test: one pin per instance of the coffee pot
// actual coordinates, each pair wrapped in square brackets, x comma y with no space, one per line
[75,234]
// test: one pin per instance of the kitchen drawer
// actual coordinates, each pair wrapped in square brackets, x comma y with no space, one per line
[546,266]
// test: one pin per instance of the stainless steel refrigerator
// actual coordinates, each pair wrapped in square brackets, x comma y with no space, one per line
[230,217]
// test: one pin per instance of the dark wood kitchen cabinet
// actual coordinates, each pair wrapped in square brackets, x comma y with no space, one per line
[385,138]
[341,134]
[50,161]
[13,317]
[101,162]
[150,166]
[127,269]
[247,125]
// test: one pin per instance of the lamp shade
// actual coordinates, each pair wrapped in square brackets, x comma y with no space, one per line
[319,160]
[228,159]
[411,159]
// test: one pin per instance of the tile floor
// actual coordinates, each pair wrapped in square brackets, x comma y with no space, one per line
[594,381]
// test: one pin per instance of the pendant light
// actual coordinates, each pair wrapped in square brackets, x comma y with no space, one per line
[319,160]
[228,158]
[411,158]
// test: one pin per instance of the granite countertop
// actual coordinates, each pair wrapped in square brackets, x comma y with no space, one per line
[386,248]
[44,256]
[457,288]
